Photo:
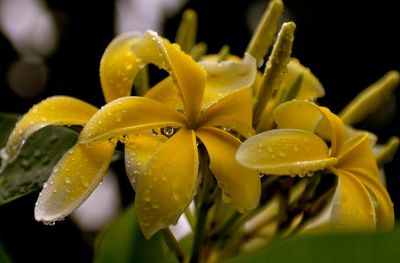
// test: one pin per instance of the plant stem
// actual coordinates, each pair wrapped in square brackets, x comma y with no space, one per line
[206,199]
[174,245]
[190,218]
[199,234]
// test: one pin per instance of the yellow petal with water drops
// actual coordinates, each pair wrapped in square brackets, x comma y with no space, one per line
[119,66]
[285,152]
[233,111]
[381,200]
[226,77]
[238,183]
[357,153]
[310,87]
[128,115]
[168,184]
[139,150]
[73,179]
[167,93]
[190,78]
[353,207]
[58,110]
[299,114]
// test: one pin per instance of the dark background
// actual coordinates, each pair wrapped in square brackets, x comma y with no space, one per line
[347,46]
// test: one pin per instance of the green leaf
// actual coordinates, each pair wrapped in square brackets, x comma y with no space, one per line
[4,257]
[349,247]
[36,159]
[124,242]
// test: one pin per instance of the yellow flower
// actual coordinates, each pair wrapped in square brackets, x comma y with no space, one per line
[160,131]
[361,202]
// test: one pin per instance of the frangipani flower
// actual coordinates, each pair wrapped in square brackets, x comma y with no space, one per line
[360,201]
[164,171]
[196,101]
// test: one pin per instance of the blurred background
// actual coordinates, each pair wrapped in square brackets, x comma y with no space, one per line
[54,47]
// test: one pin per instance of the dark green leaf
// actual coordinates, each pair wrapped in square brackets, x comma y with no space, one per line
[4,257]
[124,242]
[330,248]
[7,123]
[35,161]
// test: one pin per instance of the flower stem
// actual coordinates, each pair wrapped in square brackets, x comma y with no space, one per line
[205,201]
[199,234]
[190,218]
[174,245]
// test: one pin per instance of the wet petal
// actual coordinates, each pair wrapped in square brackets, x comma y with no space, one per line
[58,110]
[234,111]
[353,207]
[119,66]
[226,77]
[238,183]
[138,152]
[167,93]
[308,116]
[128,115]
[285,152]
[169,183]
[190,78]
[358,153]
[382,203]
[73,179]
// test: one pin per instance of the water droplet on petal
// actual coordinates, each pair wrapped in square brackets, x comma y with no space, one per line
[168,131]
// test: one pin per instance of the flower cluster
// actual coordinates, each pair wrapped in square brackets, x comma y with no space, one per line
[222,133]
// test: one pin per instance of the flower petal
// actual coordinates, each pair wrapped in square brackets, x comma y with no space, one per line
[168,184]
[128,53]
[119,66]
[238,183]
[190,78]
[285,152]
[298,114]
[128,115]
[333,125]
[310,87]
[353,207]
[382,203]
[357,153]
[73,179]
[58,110]
[228,113]
[167,93]
[308,116]
[226,77]
[138,152]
